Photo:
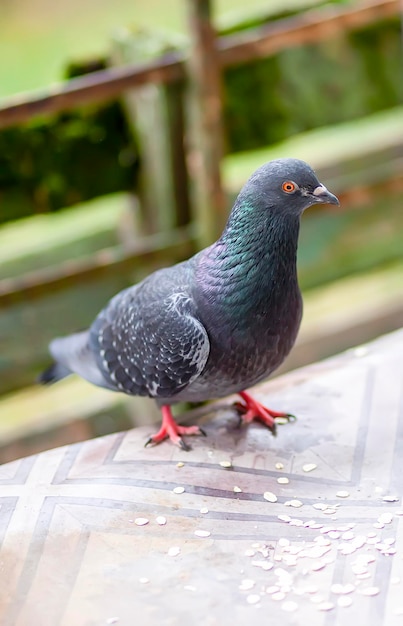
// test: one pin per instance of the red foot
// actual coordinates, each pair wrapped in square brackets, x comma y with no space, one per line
[251,409]
[171,430]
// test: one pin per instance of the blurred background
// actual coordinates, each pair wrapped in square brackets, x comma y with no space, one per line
[94,196]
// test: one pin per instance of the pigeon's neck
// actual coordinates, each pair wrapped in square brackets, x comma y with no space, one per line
[252,268]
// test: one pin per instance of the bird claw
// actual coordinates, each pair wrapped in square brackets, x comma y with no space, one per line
[173,431]
[251,409]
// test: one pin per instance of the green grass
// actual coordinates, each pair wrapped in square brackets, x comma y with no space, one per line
[38,37]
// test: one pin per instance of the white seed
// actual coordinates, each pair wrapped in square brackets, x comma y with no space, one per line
[161,520]
[319,506]
[342,589]
[325,606]
[249,552]
[180,464]
[347,535]
[283,542]
[246,584]
[385,518]
[289,606]
[284,518]
[270,496]
[283,480]
[202,533]
[204,510]
[279,466]
[344,601]
[272,589]
[237,489]
[278,595]
[370,591]
[141,521]
[226,464]
[252,598]
[265,565]
[178,489]
[296,504]
[309,467]
[174,551]
[342,494]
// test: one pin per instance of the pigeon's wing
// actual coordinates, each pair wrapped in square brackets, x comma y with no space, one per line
[149,342]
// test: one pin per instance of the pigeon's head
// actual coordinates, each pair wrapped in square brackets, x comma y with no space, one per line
[287,185]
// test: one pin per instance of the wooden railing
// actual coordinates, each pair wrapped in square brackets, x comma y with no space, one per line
[200,66]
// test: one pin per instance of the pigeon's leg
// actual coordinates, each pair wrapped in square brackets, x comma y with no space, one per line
[171,430]
[250,409]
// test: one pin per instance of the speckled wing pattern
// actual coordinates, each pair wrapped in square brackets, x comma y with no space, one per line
[148,341]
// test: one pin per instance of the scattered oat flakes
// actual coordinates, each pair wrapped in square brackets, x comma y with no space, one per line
[390,498]
[319,506]
[265,565]
[370,591]
[283,480]
[161,520]
[226,464]
[325,606]
[342,590]
[344,601]
[289,606]
[278,595]
[174,551]
[247,584]
[270,496]
[252,598]
[296,504]
[309,467]
[178,489]
[342,494]
[202,533]
[141,521]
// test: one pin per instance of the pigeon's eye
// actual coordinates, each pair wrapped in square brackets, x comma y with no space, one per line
[288,186]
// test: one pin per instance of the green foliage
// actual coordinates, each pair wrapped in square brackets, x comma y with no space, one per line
[347,77]
[64,160]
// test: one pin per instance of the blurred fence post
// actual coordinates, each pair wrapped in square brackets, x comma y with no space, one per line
[156,114]
[205,130]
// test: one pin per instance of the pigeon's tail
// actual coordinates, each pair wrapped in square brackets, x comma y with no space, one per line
[72,354]
[53,373]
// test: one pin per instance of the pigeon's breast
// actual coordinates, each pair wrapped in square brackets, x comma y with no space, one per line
[245,353]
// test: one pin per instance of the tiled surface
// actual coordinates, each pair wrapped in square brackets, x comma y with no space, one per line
[72,553]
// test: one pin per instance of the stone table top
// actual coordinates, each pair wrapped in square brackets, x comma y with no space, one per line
[304,528]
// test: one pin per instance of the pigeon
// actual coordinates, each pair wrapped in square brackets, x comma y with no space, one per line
[215,324]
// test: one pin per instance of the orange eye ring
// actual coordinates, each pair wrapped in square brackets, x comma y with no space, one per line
[288,186]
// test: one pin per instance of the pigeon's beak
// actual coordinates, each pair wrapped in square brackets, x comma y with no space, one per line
[322,195]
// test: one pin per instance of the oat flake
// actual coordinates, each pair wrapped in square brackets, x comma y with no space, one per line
[141,521]
[270,496]
[309,467]
[283,480]
[202,533]
[178,489]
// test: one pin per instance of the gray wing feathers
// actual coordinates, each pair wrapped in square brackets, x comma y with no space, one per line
[149,343]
